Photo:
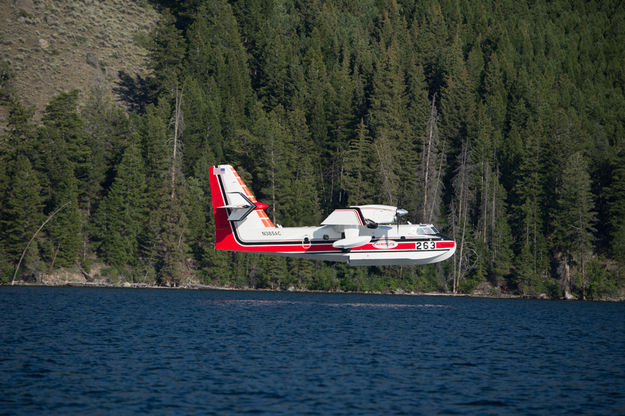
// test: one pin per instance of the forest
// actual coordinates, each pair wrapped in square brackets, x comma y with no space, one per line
[501,122]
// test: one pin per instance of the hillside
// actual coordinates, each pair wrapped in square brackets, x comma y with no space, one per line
[55,46]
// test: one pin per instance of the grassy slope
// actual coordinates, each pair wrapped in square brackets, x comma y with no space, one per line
[47,43]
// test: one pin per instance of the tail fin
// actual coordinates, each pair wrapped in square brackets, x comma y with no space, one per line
[234,206]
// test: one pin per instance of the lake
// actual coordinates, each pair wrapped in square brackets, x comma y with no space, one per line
[138,351]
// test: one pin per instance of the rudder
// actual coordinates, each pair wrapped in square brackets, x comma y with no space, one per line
[234,206]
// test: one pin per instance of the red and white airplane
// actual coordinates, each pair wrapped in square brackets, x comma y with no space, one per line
[364,235]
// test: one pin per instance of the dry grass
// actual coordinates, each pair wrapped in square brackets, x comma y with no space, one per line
[48,46]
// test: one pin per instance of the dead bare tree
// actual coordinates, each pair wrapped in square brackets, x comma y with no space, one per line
[463,197]
[432,130]
[178,126]
[19,263]
[431,166]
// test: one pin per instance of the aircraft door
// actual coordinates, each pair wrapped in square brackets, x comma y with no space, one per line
[306,242]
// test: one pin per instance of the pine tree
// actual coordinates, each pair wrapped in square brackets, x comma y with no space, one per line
[166,54]
[316,97]
[528,217]
[62,145]
[457,100]
[106,129]
[63,135]
[341,103]
[122,213]
[21,212]
[216,50]
[495,93]
[273,72]
[575,218]
[357,173]
[388,128]
[501,254]
[430,37]
[616,205]
[300,184]
[202,130]
[65,231]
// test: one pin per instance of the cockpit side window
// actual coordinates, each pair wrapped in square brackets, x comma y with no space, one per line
[426,230]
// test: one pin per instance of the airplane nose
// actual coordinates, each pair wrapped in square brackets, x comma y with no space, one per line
[260,205]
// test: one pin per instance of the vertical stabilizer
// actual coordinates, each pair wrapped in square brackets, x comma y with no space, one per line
[234,206]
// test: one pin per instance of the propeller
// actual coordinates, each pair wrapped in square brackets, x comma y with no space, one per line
[400,212]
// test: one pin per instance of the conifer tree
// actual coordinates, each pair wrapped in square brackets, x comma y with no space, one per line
[457,100]
[122,213]
[430,34]
[62,144]
[106,129]
[273,77]
[342,122]
[531,264]
[357,172]
[316,93]
[63,137]
[388,128]
[216,50]
[65,232]
[300,184]
[575,218]
[21,212]
[501,255]
[167,54]
[616,204]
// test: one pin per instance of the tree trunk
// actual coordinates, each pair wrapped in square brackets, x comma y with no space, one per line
[426,173]
[567,281]
[56,252]
[430,183]
[273,184]
[177,121]
[19,263]
[583,276]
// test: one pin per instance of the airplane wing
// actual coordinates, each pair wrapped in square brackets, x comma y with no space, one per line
[348,221]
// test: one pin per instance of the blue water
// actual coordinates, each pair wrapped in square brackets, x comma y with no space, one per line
[138,351]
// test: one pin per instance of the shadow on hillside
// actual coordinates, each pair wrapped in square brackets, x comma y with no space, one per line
[133,92]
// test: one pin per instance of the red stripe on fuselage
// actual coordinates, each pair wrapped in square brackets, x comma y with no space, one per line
[296,247]
[445,244]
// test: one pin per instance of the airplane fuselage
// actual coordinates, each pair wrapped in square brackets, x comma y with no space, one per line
[358,235]
[389,244]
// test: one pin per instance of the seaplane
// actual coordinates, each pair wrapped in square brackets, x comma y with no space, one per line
[362,235]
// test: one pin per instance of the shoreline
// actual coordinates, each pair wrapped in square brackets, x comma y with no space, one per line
[199,286]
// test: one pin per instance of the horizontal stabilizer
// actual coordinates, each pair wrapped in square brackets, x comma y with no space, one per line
[236,206]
